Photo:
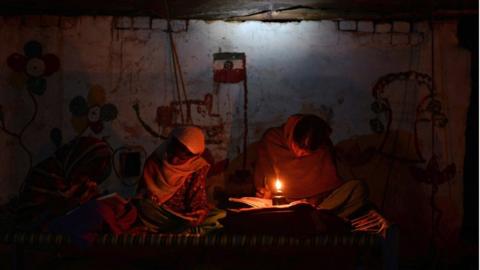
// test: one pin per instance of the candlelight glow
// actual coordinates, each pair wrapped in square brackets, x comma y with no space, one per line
[278,185]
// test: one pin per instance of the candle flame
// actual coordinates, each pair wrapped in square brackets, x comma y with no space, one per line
[278,185]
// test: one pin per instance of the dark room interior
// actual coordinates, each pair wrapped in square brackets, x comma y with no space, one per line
[309,134]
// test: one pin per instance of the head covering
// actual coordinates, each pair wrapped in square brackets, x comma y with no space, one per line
[72,164]
[87,156]
[163,179]
[46,192]
[289,128]
[192,137]
[302,177]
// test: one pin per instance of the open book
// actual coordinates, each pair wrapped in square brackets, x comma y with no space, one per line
[297,217]
[261,203]
[115,198]
[111,199]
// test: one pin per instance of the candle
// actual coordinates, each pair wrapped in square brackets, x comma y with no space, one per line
[278,186]
[278,197]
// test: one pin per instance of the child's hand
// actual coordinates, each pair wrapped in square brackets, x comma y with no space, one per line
[371,222]
[91,190]
[264,193]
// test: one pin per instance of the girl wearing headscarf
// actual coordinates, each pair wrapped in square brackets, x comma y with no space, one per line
[300,154]
[60,183]
[172,191]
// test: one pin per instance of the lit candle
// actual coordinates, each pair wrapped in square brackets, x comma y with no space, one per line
[278,197]
[278,186]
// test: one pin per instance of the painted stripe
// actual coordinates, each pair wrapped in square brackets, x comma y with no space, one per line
[228,56]
[219,64]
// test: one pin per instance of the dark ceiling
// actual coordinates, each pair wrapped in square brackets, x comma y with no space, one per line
[244,9]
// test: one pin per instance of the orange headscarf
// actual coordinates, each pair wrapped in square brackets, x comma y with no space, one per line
[302,177]
[163,179]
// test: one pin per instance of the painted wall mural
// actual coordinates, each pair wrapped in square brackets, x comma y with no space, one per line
[92,112]
[29,72]
[428,112]
[32,68]
[429,108]
[229,68]
[407,160]
[167,117]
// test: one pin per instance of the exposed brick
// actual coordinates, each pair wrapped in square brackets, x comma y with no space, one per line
[347,25]
[159,24]
[364,38]
[416,38]
[178,25]
[421,27]
[330,26]
[141,22]
[382,38]
[400,39]
[401,27]
[124,22]
[365,26]
[383,27]
[330,33]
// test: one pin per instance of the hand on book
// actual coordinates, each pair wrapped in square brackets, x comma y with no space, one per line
[264,193]
[371,222]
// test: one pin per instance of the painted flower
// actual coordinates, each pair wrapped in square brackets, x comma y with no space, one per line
[92,112]
[32,68]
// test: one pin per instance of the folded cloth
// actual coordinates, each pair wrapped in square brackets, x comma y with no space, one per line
[86,222]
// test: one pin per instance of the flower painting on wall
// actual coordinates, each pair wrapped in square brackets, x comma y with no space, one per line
[92,112]
[32,68]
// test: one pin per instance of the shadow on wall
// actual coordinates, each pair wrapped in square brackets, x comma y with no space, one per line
[402,196]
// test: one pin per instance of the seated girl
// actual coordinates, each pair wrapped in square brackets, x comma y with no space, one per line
[60,183]
[172,195]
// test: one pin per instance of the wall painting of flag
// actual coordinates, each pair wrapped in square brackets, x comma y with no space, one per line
[229,67]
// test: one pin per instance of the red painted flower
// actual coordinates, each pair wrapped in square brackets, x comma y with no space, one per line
[32,67]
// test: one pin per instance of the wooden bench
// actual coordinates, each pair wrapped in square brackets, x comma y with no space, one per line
[221,248]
